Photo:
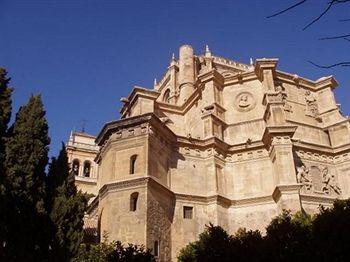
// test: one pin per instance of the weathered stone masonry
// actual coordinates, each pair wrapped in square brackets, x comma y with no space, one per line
[222,142]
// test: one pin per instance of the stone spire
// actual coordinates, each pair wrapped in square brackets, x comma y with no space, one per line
[207,51]
[173,61]
[251,61]
[155,82]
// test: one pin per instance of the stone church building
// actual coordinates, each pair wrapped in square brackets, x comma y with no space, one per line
[214,141]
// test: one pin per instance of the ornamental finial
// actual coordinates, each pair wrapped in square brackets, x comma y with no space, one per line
[207,51]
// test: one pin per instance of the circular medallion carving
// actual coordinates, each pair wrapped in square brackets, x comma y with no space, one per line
[244,102]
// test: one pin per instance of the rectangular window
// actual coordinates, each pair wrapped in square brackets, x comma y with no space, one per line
[156,248]
[188,212]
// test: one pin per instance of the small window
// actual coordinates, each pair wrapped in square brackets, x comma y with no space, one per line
[75,167]
[133,162]
[188,212]
[156,248]
[166,96]
[133,201]
[87,169]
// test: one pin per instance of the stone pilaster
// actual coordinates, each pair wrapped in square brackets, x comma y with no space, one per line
[286,192]
[265,69]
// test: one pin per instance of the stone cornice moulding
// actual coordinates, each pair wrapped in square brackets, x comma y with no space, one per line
[346,120]
[86,180]
[307,146]
[240,78]
[81,150]
[113,126]
[277,131]
[218,199]
[262,64]
[285,190]
[129,183]
[135,94]
[212,75]
[314,199]
[311,85]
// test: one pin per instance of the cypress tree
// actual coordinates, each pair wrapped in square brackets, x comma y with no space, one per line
[67,207]
[26,160]
[5,115]
[5,112]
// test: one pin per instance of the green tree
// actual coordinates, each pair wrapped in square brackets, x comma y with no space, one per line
[5,112]
[66,207]
[331,232]
[26,159]
[5,115]
[214,244]
[247,245]
[288,237]
[113,252]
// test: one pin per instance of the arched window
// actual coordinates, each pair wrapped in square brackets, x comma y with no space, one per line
[75,167]
[133,201]
[133,161]
[87,168]
[166,96]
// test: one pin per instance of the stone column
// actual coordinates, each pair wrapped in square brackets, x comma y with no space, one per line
[186,72]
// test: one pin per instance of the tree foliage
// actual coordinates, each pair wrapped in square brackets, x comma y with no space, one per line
[5,114]
[215,244]
[25,162]
[66,207]
[41,215]
[113,252]
[289,237]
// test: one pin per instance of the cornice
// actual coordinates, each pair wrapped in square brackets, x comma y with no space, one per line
[136,182]
[318,199]
[240,78]
[212,75]
[218,199]
[317,85]
[113,126]
[285,190]
[138,92]
[277,131]
[85,180]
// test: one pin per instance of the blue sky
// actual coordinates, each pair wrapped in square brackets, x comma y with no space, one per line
[83,55]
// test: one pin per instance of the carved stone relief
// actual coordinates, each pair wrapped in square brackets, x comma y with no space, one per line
[303,177]
[311,105]
[330,184]
[245,101]
[317,180]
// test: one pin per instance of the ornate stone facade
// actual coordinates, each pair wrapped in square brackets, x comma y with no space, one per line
[222,142]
